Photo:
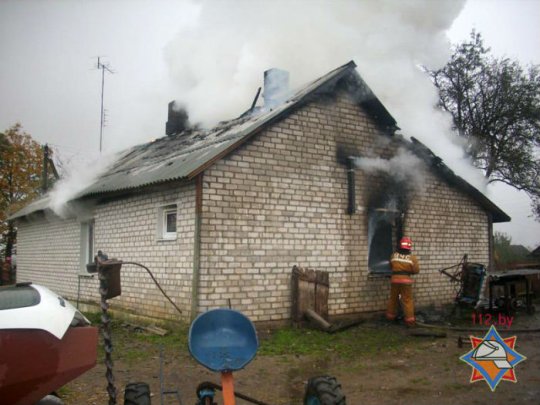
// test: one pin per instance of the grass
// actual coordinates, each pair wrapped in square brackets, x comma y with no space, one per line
[352,342]
[134,345]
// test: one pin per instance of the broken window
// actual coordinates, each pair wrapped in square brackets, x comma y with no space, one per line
[384,229]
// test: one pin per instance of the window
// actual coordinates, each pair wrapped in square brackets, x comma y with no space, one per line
[384,229]
[87,244]
[167,217]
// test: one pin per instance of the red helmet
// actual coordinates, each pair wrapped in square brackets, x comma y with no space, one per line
[405,243]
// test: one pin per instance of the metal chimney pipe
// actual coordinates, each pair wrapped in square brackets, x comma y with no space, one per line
[276,86]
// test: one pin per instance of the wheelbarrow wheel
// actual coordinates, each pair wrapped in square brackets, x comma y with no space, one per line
[324,390]
[137,394]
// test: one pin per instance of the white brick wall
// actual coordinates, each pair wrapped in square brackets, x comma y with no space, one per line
[125,229]
[281,200]
[48,251]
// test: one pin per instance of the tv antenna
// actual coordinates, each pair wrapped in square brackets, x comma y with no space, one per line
[104,68]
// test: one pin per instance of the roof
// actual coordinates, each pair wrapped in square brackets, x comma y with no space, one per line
[39,204]
[535,252]
[519,250]
[438,166]
[184,156]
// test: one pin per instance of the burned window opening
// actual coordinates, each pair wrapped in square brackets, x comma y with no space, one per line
[385,227]
[387,205]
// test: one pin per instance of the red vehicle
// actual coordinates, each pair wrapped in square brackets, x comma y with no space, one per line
[45,342]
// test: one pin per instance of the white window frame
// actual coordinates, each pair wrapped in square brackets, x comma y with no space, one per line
[87,244]
[163,212]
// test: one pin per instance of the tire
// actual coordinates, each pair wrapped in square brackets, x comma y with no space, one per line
[324,390]
[137,394]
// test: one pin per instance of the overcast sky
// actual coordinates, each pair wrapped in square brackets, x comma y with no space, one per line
[211,56]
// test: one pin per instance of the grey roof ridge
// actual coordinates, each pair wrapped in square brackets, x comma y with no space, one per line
[437,163]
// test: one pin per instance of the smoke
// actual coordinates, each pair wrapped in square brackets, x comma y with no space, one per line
[404,168]
[217,59]
[79,175]
[216,63]
[404,175]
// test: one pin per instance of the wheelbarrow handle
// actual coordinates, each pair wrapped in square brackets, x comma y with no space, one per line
[227,384]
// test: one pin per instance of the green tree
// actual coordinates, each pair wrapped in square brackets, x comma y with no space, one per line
[495,106]
[21,166]
[505,252]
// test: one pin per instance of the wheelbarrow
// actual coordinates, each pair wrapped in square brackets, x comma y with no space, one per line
[222,340]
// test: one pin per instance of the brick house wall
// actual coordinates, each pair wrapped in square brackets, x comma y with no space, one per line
[48,252]
[127,229]
[279,200]
[49,249]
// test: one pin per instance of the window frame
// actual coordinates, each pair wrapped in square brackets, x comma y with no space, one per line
[163,212]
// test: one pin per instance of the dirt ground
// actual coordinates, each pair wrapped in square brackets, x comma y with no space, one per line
[416,370]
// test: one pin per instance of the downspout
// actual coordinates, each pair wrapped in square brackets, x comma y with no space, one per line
[351,186]
[196,247]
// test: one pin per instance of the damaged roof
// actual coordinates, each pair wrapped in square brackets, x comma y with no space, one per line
[437,165]
[185,155]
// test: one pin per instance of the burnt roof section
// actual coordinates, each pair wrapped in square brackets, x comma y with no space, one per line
[438,166]
[184,155]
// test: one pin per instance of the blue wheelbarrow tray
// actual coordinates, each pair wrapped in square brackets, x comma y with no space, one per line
[223,340]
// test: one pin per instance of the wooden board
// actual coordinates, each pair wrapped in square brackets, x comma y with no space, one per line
[310,290]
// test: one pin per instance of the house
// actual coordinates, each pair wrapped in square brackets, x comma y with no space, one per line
[221,216]
[535,254]
[519,251]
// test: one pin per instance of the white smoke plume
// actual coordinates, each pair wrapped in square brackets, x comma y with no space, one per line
[216,63]
[404,167]
[77,177]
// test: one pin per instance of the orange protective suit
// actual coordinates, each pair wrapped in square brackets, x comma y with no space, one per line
[403,265]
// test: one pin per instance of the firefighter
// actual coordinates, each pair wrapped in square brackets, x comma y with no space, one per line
[403,264]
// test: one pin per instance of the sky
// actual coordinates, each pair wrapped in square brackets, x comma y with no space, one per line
[210,55]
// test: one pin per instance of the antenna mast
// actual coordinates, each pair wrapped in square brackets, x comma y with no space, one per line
[103,67]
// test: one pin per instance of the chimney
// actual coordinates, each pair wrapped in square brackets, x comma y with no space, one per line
[276,87]
[177,120]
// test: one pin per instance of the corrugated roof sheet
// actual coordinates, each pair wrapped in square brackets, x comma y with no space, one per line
[181,156]
[39,204]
